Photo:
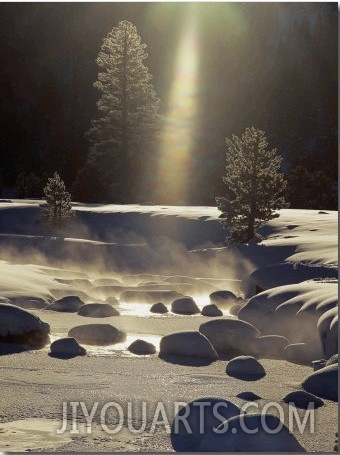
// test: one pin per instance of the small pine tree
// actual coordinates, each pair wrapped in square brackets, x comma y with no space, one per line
[254,186]
[58,201]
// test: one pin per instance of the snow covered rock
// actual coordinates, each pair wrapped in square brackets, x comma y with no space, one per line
[298,312]
[259,310]
[332,360]
[323,383]
[223,298]
[159,307]
[328,331]
[211,310]
[66,347]
[282,274]
[187,344]
[301,353]
[184,305]
[251,433]
[68,304]
[58,294]
[22,327]
[270,346]
[97,310]
[245,367]
[141,347]
[230,335]
[318,364]
[97,334]
[198,419]
[302,399]
[29,303]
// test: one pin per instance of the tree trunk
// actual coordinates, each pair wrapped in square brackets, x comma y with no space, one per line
[251,222]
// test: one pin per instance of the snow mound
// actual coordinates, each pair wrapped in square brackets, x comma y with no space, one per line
[197,419]
[328,332]
[22,280]
[28,302]
[302,399]
[211,310]
[68,304]
[332,360]
[270,346]
[302,353]
[251,433]
[294,311]
[230,335]
[97,310]
[302,236]
[61,293]
[141,347]
[184,305]
[97,334]
[245,367]
[323,383]
[276,275]
[66,348]
[22,327]
[159,307]
[187,344]
[223,298]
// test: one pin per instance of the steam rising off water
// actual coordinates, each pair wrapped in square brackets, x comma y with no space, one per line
[111,260]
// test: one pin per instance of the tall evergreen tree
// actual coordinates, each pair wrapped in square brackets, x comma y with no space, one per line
[58,201]
[254,185]
[128,105]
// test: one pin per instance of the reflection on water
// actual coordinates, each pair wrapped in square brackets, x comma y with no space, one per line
[113,348]
[135,309]
[143,309]
[140,310]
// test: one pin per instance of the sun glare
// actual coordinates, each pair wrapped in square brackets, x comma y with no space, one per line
[180,119]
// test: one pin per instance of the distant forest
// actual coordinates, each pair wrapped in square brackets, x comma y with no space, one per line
[274,66]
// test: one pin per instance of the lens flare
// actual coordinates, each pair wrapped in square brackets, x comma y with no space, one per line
[180,121]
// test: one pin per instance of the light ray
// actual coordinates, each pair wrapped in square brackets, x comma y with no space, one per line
[180,121]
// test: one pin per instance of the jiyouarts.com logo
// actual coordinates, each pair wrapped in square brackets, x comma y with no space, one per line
[200,417]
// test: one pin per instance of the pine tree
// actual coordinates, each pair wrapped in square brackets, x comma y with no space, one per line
[128,104]
[254,186]
[58,201]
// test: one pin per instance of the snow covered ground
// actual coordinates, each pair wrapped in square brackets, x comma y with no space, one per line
[111,249]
